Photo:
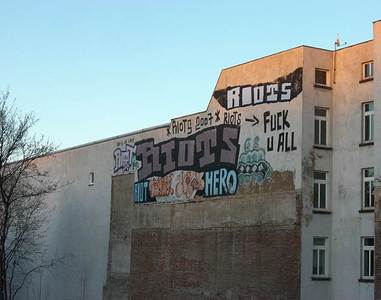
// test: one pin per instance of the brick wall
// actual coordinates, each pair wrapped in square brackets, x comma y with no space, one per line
[257,262]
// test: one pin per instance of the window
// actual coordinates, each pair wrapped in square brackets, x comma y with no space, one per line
[368,121]
[367,258]
[368,188]
[367,70]
[322,77]
[319,260]
[91,178]
[321,126]
[320,190]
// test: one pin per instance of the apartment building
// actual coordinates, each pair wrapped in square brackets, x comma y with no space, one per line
[272,192]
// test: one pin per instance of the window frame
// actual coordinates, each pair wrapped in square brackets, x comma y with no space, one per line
[91,178]
[364,114]
[327,76]
[365,180]
[321,182]
[371,257]
[320,119]
[363,70]
[320,248]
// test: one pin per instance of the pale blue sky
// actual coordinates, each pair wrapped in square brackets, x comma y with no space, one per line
[94,69]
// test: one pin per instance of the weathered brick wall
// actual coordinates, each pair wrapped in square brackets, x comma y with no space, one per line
[257,262]
[245,246]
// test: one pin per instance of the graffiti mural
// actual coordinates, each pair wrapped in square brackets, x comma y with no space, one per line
[210,148]
[283,89]
[177,186]
[125,159]
[200,156]
[252,165]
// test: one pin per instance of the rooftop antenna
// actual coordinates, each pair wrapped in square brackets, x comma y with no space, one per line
[337,45]
[338,42]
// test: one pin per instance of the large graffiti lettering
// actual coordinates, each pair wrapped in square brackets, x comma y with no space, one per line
[210,148]
[125,159]
[177,186]
[220,182]
[201,155]
[283,89]
[252,165]
[275,122]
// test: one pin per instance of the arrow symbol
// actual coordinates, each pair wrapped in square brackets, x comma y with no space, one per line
[254,120]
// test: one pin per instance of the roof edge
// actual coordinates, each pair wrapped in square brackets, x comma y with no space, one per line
[110,138]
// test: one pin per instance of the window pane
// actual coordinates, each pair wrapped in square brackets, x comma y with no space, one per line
[371,194]
[314,263]
[367,194]
[371,135]
[321,262]
[367,128]
[367,70]
[321,112]
[316,140]
[323,133]
[320,76]
[369,172]
[366,263]
[368,106]
[316,195]
[322,196]
[371,273]
[319,241]
[319,175]
[368,241]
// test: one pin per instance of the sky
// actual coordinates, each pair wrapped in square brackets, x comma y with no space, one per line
[90,70]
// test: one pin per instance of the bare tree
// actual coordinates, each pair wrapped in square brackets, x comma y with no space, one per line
[23,191]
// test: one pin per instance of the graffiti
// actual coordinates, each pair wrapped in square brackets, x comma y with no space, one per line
[277,121]
[141,194]
[206,120]
[254,121]
[180,126]
[208,149]
[205,158]
[284,141]
[174,187]
[188,183]
[220,182]
[233,118]
[160,187]
[189,126]
[125,159]
[283,89]
[252,165]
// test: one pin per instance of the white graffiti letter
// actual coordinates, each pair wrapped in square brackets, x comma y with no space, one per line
[246,95]
[286,91]
[258,93]
[233,97]
[272,92]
